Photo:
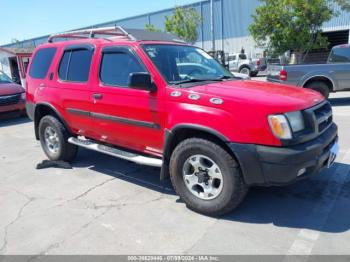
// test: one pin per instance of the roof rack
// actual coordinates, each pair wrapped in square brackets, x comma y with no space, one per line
[92,33]
[117,31]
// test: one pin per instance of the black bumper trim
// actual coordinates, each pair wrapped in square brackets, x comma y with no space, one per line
[267,166]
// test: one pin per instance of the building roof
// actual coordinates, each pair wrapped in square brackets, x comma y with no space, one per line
[17,50]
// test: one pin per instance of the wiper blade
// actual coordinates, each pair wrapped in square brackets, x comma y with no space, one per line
[192,80]
[224,78]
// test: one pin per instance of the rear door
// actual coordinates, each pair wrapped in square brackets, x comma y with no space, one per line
[71,82]
[123,116]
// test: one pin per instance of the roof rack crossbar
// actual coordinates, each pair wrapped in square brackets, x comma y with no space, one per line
[91,33]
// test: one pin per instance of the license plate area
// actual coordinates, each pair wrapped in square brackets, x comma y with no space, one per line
[333,154]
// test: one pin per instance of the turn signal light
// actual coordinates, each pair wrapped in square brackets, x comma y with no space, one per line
[280,126]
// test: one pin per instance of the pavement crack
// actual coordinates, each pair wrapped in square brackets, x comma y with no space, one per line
[60,243]
[92,189]
[18,216]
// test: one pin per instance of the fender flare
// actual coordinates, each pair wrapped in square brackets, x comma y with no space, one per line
[170,134]
[56,112]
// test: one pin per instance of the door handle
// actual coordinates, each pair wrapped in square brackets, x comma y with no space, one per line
[42,86]
[97,96]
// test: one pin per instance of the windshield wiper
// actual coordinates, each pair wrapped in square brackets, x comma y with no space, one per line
[224,78]
[191,80]
[194,80]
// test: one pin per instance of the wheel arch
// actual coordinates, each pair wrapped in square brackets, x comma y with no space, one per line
[320,78]
[44,109]
[174,136]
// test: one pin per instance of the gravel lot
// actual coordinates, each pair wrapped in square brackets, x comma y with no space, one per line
[109,206]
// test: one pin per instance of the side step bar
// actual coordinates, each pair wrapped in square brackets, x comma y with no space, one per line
[139,159]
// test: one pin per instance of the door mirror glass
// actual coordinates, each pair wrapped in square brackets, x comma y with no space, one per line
[142,81]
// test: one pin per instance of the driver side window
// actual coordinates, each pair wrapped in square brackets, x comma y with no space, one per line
[116,68]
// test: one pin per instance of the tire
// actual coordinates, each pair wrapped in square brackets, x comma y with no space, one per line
[49,125]
[245,70]
[254,74]
[233,189]
[320,87]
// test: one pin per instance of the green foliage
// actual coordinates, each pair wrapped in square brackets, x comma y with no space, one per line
[344,4]
[282,25]
[152,28]
[184,23]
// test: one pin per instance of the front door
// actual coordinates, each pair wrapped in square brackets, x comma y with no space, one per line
[121,115]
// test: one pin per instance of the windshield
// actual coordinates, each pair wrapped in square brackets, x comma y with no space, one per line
[179,64]
[4,79]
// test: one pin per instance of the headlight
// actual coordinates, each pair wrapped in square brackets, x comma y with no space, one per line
[296,121]
[283,126]
[280,126]
[23,96]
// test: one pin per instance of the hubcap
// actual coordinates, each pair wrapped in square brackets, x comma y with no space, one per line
[245,71]
[202,177]
[52,140]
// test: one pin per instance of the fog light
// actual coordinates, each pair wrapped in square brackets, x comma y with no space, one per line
[301,172]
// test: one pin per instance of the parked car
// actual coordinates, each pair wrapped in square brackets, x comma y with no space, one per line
[241,63]
[12,97]
[325,78]
[212,134]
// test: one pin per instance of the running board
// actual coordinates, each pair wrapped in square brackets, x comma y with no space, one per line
[139,159]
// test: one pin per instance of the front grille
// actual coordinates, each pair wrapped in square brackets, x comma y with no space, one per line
[9,99]
[322,116]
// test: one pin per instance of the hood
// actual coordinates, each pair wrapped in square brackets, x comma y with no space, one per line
[10,89]
[283,98]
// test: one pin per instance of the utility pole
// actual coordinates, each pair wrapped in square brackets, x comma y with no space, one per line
[212,30]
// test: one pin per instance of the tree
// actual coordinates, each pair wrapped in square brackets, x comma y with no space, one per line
[294,25]
[152,28]
[184,23]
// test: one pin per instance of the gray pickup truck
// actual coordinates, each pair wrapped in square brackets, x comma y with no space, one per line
[325,78]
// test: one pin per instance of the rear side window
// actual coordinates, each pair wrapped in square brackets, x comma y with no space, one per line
[75,65]
[41,62]
[340,55]
[116,68]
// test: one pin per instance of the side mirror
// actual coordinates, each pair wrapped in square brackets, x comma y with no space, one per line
[142,81]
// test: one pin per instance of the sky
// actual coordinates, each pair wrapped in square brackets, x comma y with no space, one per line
[25,19]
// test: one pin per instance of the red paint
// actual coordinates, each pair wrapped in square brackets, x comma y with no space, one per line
[242,117]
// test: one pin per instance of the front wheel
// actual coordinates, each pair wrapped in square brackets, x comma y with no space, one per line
[206,177]
[54,140]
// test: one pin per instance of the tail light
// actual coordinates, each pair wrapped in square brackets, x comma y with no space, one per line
[283,75]
[258,62]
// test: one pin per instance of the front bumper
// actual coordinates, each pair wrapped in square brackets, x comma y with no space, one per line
[268,166]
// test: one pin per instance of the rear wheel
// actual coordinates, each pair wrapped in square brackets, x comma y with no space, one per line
[54,140]
[206,177]
[320,87]
[245,70]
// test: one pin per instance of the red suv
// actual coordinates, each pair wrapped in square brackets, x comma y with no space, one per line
[154,100]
